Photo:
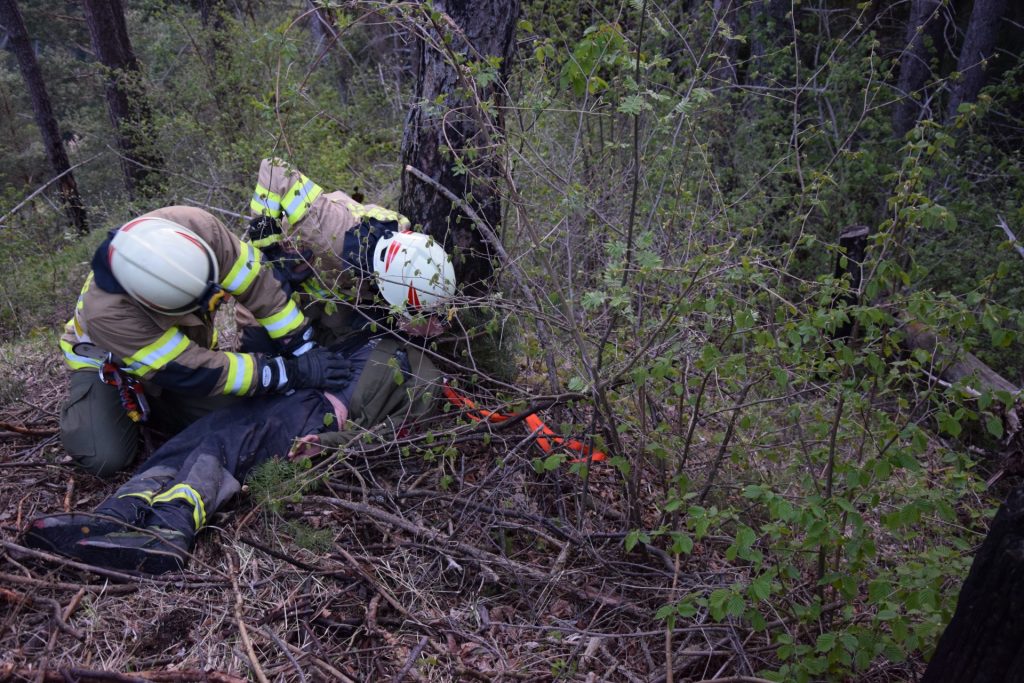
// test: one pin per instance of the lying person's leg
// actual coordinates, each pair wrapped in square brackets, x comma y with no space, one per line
[184,482]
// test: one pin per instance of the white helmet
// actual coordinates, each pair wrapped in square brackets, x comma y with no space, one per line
[164,266]
[413,271]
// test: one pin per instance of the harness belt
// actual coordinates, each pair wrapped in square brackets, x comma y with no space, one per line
[547,439]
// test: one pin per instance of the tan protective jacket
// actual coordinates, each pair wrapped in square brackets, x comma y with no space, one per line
[178,351]
[318,221]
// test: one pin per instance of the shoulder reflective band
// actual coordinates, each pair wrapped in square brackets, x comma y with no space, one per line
[284,322]
[244,272]
[189,495]
[74,361]
[546,438]
[381,214]
[155,356]
[313,288]
[241,370]
[265,203]
[299,198]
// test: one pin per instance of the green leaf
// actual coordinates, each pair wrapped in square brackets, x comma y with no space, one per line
[826,642]
[994,426]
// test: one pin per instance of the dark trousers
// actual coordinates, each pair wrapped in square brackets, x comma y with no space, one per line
[100,437]
[197,470]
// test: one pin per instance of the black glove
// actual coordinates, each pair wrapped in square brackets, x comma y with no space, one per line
[299,343]
[263,232]
[319,368]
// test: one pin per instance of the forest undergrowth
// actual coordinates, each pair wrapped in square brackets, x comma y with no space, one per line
[790,487]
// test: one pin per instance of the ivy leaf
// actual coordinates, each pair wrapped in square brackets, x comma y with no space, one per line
[994,426]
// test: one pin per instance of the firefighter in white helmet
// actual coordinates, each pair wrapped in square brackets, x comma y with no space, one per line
[143,335]
[358,267]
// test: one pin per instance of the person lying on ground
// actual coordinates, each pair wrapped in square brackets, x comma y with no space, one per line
[143,333]
[352,266]
[150,523]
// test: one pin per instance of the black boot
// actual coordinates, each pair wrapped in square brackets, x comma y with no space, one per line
[154,550]
[59,533]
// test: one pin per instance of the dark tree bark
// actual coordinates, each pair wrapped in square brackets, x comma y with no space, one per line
[453,143]
[11,17]
[723,72]
[979,43]
[983,641]
[127,105]
[922,41]
[324,29]
[769,29]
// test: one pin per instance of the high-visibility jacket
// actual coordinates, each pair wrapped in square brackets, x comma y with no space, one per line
[316,222]
[177,352]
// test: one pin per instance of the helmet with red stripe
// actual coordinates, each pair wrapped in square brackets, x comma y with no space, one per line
[414,273]
[164,266]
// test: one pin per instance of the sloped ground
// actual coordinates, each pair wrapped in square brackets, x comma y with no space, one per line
[391,567]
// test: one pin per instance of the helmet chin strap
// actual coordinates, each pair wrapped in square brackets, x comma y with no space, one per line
[213,296]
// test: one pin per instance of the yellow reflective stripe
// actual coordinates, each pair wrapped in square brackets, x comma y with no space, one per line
[284,322]
[320,294]
[244,272]
[265,203]
[241,370]
[74,361]
[155,356]
[379,213]
[267,241]
[189,495]
[299,198]
[213,343]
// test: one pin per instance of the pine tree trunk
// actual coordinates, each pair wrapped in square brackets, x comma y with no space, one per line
[126,98]
[11,17]
[976,51]
[923,24]
[452,143]
[983,641]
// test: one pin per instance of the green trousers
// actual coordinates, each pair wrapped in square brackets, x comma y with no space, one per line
[101,438]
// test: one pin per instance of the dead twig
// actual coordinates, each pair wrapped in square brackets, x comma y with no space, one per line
[242,630]
[27,431]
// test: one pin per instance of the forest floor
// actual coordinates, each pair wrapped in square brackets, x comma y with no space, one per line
[392,568]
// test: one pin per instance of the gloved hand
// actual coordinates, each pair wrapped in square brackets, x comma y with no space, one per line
[299,343]
[318,368]
[263,231]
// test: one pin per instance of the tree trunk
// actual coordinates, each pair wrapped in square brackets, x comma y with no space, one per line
[324,28]
[769,29]
[126,98]
[975,53]
[982,642]
[453,143]
[723,71]
[923,27]
[10,15]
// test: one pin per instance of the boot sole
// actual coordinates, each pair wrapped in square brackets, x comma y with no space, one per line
[102,552]
[61,538]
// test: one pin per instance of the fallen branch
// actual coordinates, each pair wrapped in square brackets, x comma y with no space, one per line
[484,558]
[15,598]
[27,431]
[243,631]
[94,676]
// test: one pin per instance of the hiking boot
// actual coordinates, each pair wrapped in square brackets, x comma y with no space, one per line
[59,533]
[155,550]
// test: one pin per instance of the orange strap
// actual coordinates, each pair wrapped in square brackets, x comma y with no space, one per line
[547,442]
